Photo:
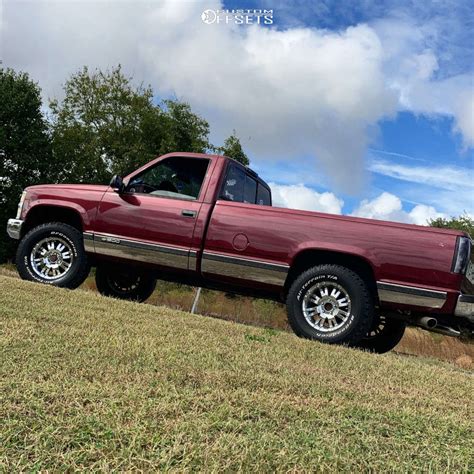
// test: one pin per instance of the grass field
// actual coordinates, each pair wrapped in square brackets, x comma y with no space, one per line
[93,383]
[269,314]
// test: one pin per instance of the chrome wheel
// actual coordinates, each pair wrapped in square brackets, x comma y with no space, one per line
[326,306]
[51,258]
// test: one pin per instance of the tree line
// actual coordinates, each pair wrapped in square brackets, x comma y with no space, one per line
[103,125]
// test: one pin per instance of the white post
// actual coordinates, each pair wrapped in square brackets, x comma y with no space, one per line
[196,300]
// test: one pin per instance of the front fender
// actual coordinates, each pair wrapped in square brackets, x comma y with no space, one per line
[36,205]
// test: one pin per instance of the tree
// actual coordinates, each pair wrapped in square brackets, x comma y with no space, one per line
[25,152]
[97,128]
[464,223]
[105,125]
[233,149]
[183,129]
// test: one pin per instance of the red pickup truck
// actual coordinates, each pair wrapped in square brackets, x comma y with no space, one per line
[208,221]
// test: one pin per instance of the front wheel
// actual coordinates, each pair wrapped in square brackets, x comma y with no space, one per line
[53,253]
[385,334]
[123,284]
[332,304]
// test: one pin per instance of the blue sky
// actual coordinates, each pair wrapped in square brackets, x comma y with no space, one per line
[358,107]
[410,140]
[413,140]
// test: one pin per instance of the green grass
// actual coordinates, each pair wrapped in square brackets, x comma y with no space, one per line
[91,383]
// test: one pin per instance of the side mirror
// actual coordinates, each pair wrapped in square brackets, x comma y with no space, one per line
[116,183]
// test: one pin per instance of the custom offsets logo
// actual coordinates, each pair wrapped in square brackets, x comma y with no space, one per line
[238,17]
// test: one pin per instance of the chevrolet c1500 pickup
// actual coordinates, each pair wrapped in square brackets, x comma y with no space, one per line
[208,221]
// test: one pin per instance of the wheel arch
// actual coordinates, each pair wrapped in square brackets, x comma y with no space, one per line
[312,257]
[44,213]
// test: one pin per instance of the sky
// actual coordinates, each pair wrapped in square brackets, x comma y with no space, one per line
[356,107]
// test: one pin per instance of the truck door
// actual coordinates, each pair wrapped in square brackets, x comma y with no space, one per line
[154,219]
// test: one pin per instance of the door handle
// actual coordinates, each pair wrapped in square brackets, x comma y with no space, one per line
[188,213]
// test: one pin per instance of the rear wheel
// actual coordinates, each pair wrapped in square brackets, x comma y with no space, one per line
[332,304]
[123,284]
[385,334]
[53,253]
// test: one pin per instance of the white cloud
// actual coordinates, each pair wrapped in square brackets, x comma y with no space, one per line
[386,206]
[464,111]
[389,207]
[444,177]
[301,91]
[301,197]
[449,188]
[421,214]
[412,54]
[288,93]
[295,92]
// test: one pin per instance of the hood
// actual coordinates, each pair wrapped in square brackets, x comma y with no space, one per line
[75,187]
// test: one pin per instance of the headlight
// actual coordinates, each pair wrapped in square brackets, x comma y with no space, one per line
[20,204]
[462,255]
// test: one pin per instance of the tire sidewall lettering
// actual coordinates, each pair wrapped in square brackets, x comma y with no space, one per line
[312,281]
[35,277]
[67,239]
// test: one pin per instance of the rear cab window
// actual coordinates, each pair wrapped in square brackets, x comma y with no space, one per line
[243,185]
[250,190]
[264,197]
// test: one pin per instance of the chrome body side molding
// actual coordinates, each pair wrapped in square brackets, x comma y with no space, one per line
[465,307]
[176,257]
[410,295]
[193,260]
[118,247]
[88,238]
[244,268]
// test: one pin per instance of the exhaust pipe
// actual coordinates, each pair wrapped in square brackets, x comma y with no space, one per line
[427,322]
[447,331]
[431,324]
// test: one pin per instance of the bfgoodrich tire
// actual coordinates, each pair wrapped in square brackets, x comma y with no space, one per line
[123,284]
[385,334]
[54,254]
[331,304]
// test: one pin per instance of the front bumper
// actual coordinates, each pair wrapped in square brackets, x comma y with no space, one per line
[465,307]
[14,228]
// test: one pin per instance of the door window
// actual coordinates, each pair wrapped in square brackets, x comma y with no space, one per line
[175,177]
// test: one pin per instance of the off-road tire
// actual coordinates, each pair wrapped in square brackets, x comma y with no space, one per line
[122,284]
[385,334]
[79,267]
[361,314]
